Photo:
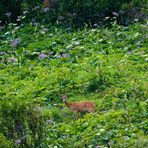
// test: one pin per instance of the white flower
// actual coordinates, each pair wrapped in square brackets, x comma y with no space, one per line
[76,43]
[12,60]
[42,56]
[8,14]
[15,42]
[102,130]
[69,47]
[115,14]
[45,10]
[37,108]
[18,141]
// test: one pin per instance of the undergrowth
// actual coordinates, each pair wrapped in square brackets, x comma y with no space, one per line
[38,64]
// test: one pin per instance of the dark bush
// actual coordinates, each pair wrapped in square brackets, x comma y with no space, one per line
[85,11]
[23,122]
[9,10]
[73,12]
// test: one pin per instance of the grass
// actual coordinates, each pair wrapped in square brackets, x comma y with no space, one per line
[105,65]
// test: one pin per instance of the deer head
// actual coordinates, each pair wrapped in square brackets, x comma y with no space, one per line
[64,98]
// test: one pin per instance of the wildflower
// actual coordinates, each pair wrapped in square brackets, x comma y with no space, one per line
[76,43]
[12,60]
[49,121]
[98,146]
[22,25]
[8,14]
[60,18]
[10,52]
[102,130]
[45,10]
[16,28]
[126,138]
[69,15]
[42,32]
[98,134]
[35,24]
[25,12]
[42,56]
[2,27]
[65,55]
[69,47]
[15,42]
[36,7]
[35,53]
[19,17]
[54,43]
[37,108]
[58,56]
[95,25]
[136,20]
[2,53]
[18,141]
[43,20]
[137,34]
[107,18]
[45,29]
[115,14]
[51,53]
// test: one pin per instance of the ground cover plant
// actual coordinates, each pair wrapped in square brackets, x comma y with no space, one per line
[109,66]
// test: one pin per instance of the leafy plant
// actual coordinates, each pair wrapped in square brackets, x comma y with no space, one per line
[105,65]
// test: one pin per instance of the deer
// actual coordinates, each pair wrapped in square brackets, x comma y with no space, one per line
[80,107]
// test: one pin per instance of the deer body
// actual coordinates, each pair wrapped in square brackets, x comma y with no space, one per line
[80,106]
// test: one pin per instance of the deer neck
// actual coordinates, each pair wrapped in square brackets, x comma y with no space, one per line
[66,103]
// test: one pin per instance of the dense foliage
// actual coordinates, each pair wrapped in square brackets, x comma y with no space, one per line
[79,12]
[10,10]
[39,63]
[6,9]
[73,12]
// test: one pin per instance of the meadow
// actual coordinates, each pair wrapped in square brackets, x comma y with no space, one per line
[106,65]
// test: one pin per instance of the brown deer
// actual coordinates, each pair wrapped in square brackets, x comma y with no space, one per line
[79,106]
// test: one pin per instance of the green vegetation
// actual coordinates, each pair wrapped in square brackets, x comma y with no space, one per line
[75,13]
[40,63]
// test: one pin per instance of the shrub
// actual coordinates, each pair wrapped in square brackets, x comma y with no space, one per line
[75,12]
[9,10]
[23,123]
[78,12]
[4,142]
